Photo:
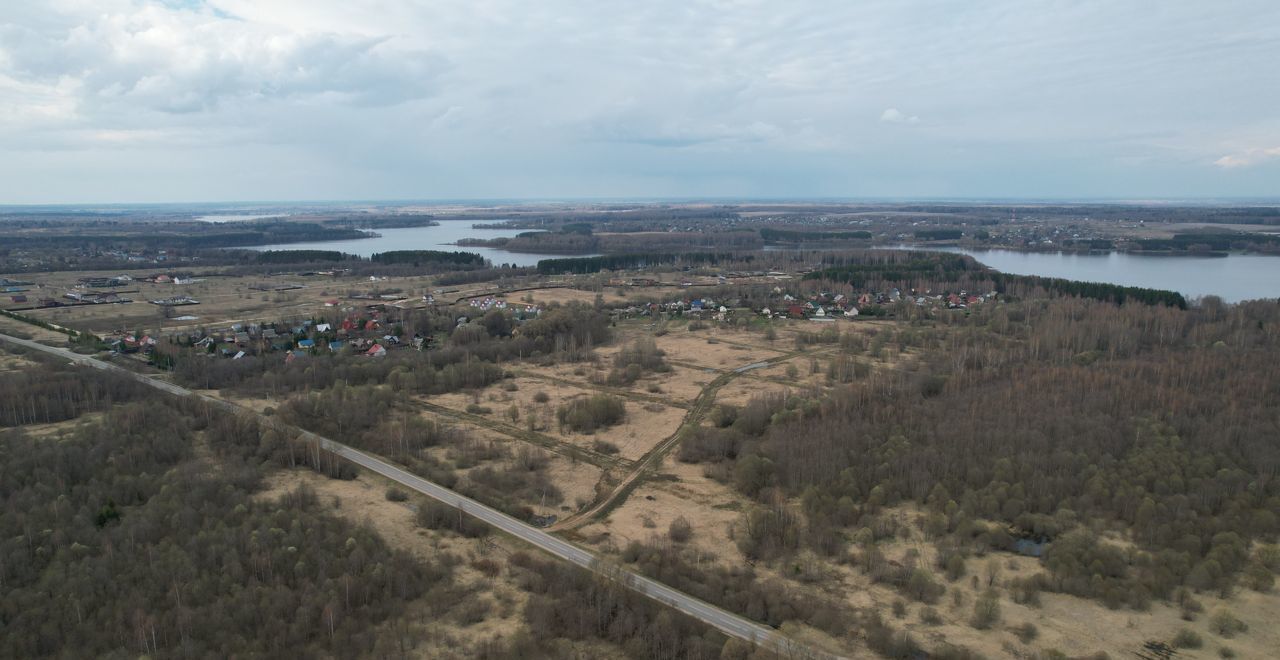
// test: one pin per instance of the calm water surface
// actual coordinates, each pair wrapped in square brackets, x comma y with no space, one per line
[440,237]
[1234,277]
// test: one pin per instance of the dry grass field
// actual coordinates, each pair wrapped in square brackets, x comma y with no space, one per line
[223,299]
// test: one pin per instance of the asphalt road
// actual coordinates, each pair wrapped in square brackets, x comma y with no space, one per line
[723,620]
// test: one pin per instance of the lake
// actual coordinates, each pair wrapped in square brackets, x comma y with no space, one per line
[1234,277]
[438,237]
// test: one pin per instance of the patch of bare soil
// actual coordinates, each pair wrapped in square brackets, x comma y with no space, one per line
[565,295]
[34,332]
[703,349]
[709,507]
[740,391]
[646,425]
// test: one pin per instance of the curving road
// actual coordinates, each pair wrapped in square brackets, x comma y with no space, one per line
[723,620]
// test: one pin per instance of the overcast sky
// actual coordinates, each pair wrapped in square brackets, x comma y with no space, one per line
[224,100]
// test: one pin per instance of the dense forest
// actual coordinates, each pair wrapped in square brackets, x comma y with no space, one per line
[920,271]
[117,541]
[582,265]
[1053,420]
[774,235]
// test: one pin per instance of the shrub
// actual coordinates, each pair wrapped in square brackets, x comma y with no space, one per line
[396,495]
[541,397]
[604,447]
[724,415]
[930,616]
[986,610]
[921,586]
[1187,639]
[487,567]
[1026,632]
[1225,624]
[437,515]
[1258,577]
[587,415]
[477,409]
[680,530]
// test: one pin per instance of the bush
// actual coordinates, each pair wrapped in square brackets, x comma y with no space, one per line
[930,617]
[437,515]
[1258,577]
[1187,639]
[541,397]
[1026,632]
[921,586]
[477,409]
[724,415]
[587,415]
[396,495]
[710,445]
[986,610]
[604,447]
[680,530]
[1225,624]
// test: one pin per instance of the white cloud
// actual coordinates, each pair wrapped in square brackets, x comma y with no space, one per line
[896,116]
[1247,158]
[173,60]
[404,98]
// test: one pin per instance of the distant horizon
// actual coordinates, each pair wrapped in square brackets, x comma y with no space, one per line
[250,204]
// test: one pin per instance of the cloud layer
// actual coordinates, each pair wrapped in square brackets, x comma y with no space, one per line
[136,100]
[1248,158]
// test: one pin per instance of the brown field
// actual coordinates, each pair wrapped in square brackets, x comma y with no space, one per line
[805,376]
[705,349]
[223,300]
[578,481]
[645,426]
[682,383]
[564,295]
[740,391]
[710,508]
[36,333]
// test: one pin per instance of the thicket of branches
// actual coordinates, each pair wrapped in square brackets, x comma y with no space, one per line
[114,543]
[28,397]
[1058,419]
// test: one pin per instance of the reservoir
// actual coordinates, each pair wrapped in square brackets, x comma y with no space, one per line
[1234,277]
[438,237]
